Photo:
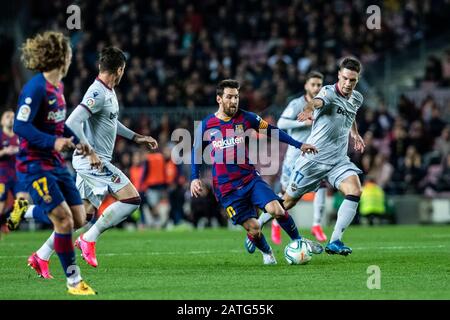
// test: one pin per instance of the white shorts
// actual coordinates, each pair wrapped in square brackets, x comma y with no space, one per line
[286,171]
[94,185]
[307,175]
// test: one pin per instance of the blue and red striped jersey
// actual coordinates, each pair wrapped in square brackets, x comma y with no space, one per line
[229,153]
[8,162]
[39,120]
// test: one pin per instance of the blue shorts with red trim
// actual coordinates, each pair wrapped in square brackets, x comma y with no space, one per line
[240,204]
[49,189]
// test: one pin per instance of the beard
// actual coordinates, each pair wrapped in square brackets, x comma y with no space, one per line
[230,110]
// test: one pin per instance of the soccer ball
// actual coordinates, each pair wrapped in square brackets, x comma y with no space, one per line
[297,252]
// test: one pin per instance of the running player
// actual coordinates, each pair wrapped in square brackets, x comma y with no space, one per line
[96,122]
[96,176]
[301,131]
[333,111]
[238,186]
[39,123]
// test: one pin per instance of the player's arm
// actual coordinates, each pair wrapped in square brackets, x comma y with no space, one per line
[288,119]
[311,106]
[29,102]
[359,141]
[75,124]
[324,98]
[148,141]
[260,124]
[8,151]
[196,161]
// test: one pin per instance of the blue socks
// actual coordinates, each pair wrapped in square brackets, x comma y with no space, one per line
[260,243]
[288,225]
[64,248]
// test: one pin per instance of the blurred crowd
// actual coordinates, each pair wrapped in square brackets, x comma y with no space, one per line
[179,49]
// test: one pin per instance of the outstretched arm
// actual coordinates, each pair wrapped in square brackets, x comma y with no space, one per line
[359,141]
[308,111]
[147,141]
[260,124]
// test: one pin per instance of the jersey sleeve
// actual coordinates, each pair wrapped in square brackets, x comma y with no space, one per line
[29,102]
[326,95]
[288,119]
[197,152]
[256,122]
[94,99]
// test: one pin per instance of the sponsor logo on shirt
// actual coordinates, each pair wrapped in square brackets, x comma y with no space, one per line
[228,142]
[57,116]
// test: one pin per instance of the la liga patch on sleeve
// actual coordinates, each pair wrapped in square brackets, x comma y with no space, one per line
[24,113]
[90,102]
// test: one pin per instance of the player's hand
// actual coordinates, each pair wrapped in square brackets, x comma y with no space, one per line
[64,144]
[95,161]
[359,143]
[11,150]
[82,149]
[197,188]
[148,141]
[308,123]
[305,115]
[308,148]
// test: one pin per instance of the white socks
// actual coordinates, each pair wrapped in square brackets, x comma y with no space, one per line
[46,250]
[264,218]
[346,213]
[319,205]
[29,214]
[112,216]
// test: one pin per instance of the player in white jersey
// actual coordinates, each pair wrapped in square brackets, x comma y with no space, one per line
[95,122]
[300,131]
[333,112]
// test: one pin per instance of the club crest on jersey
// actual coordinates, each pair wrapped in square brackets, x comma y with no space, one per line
[115,178]
[47,198]
[239,129]
[113,115]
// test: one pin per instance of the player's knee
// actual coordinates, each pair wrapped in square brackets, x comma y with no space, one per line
[62,219]
[288,202]
[79,221]
[65,223]
[255,232]
[136,200]
[253,228]
[354,191]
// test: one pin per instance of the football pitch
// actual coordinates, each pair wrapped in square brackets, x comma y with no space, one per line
[414,263]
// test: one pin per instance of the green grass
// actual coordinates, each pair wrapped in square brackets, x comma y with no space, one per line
[212,264]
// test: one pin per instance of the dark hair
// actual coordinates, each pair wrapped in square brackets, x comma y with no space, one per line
[351,64]
[314,74]
[111,59]
[228,83]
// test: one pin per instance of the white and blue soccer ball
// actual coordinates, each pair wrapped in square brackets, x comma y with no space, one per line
[297,252]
